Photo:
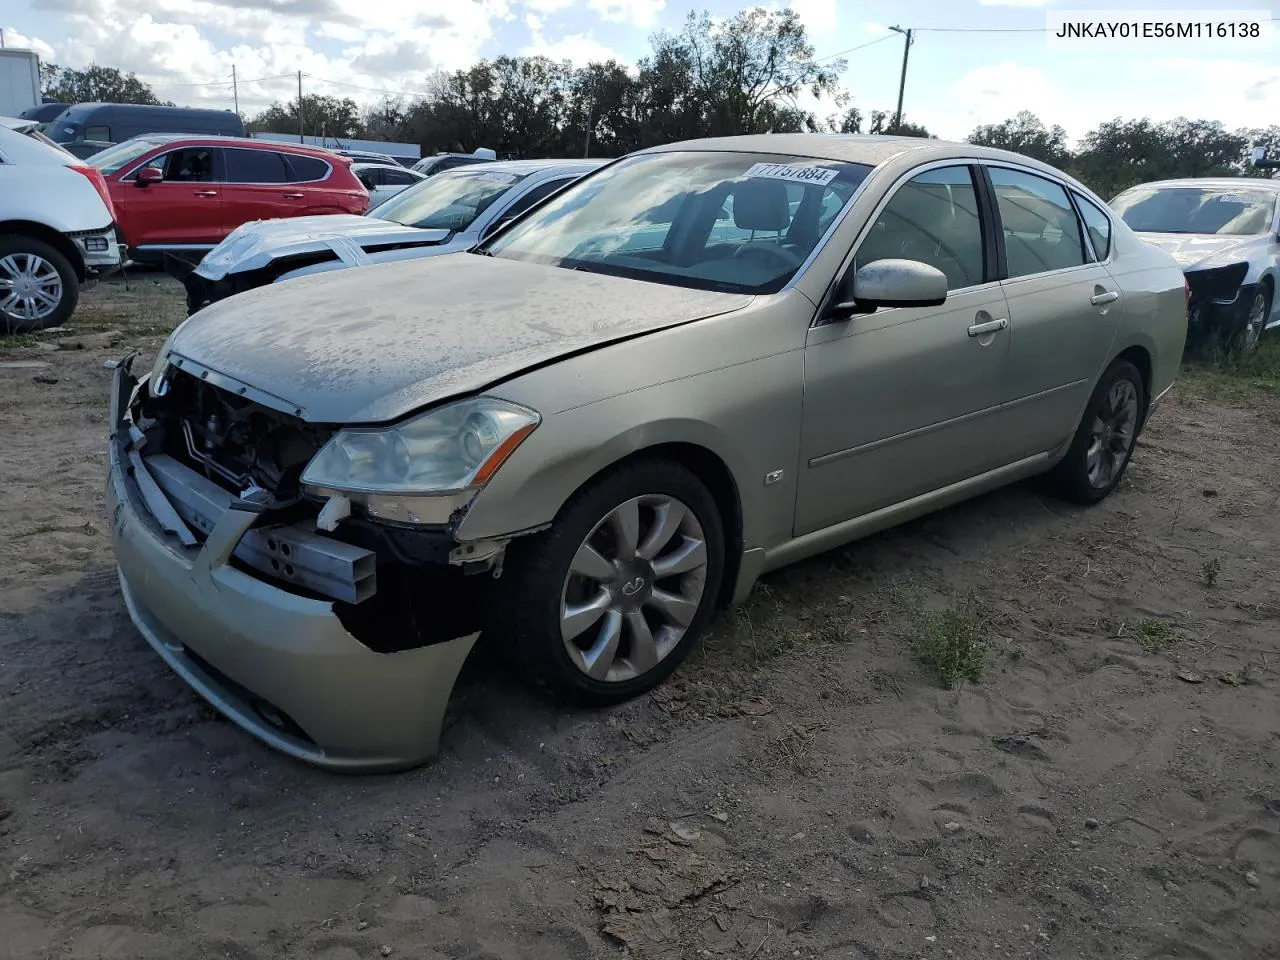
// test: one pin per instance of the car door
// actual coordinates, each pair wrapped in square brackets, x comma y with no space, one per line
[900,402]
[260,187]
[1064,307]
[184,209]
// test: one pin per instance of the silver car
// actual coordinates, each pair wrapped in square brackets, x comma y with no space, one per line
[698,364]
[1225,234]
[445,213]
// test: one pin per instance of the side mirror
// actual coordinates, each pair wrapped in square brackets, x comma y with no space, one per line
[892,283]
[147,176]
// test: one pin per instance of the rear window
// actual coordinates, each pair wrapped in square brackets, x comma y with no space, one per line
[308,168]
[256,166]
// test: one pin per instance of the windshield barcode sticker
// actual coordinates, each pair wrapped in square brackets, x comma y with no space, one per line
[781,171]
[1232,198]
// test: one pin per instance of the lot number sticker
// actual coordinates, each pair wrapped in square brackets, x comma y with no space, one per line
[781,171]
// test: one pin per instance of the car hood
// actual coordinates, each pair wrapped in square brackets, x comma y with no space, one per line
[252,246]
[1195,250]
[371,345]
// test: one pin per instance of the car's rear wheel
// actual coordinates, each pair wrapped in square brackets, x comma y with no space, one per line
[1104,441]
[609,601]
[38,286]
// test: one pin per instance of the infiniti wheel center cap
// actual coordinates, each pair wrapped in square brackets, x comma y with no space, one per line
[634,584]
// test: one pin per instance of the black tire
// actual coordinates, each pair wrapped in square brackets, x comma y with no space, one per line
[526,620]
[23,244]
[1265,292]
[1070,478]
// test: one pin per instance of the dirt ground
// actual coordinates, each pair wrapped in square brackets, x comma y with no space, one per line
[804,787]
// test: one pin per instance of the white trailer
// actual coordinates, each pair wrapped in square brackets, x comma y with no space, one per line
[19,80]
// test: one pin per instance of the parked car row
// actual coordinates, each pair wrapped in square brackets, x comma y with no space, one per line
[607,416]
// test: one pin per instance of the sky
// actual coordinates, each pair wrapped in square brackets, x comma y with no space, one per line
[956,80]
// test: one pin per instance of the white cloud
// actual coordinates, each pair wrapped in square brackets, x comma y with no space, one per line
[641,13]
[818,16]
[548,6]
[579,49]
[875,29]
[20,41]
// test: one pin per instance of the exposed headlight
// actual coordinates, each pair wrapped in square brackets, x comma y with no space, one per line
[420,470]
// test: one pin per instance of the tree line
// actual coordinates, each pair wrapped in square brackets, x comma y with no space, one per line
[711,78]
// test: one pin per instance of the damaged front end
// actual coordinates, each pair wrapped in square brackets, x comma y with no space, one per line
[335,637]
[1218,305]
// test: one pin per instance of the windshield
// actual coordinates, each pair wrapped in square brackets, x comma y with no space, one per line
[448,201]
[736,222]
[1226,211]
[113,158]
[64,130]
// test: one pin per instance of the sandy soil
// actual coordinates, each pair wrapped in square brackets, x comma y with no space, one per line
[803,788]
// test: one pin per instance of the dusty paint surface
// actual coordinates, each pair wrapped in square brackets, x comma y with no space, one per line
[369,345]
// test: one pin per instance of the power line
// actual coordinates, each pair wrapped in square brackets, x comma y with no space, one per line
[861,46]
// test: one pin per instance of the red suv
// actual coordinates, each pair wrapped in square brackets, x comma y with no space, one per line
[176,193]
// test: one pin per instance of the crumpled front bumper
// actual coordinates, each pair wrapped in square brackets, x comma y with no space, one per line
[279,665]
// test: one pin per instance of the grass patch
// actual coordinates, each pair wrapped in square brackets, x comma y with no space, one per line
[953,643]
[1154,636]
[1210,572]
[17,341]
[1221,374]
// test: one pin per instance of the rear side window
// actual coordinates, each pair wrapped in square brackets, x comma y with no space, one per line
[99,132]
[398,178]
[1041,231]
[1099,226]
[256,166]
[308,168]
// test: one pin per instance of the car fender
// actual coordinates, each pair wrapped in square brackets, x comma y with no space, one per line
[52,195]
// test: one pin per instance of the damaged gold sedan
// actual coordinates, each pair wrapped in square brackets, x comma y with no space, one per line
[697,364]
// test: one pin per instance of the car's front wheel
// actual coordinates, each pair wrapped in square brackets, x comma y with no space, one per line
[1256,320]
[609,601]
[1104,441]
[38,286]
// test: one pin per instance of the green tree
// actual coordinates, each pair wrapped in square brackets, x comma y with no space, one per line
[322,116]
[94,84]
[881,123]
[1122,153]
[1025,134]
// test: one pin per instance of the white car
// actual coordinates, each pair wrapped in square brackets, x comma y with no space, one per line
[384,180]
[1225,234]
[57,225]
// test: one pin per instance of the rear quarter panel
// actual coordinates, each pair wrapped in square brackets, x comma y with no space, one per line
[1155,316]
[732,385]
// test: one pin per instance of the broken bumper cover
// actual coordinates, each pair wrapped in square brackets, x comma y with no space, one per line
[279,665]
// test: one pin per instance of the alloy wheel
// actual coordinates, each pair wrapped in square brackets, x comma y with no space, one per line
[633,588]
[1113,434]
[30,287]
[1257,320]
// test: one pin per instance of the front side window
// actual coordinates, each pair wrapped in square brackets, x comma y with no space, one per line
[448,201]
[1041,230]
[1207,210]
[932,218]
[256,166]
[1098,224]
[399,178]
[737,222]
[190,165]
[100,133]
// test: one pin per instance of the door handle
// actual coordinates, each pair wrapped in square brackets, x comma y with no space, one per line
[205,193]
[292,196]
[991,326]
[1110,296]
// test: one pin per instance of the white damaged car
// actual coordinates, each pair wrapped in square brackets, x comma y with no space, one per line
[445,213]
[1225,234]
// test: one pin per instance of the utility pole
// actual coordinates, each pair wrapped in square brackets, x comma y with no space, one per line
[301,138]
[902,82]
[235,90]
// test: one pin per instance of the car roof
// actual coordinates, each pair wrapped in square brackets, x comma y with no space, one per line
[17,124]
[528,166]
[1229,183]
[200,139]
